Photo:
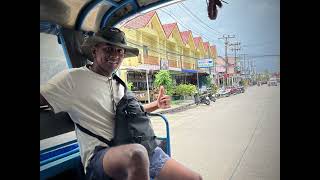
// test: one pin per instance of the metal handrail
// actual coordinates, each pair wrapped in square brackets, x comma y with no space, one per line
[167,130]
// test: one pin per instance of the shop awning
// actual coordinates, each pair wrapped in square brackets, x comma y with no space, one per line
[189,71]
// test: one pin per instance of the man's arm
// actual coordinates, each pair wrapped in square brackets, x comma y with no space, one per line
[163,102]
[151,106]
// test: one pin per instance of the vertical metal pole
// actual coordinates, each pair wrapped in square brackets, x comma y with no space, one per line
[198,80]
[147,85]
[65,51]
[197,76]
[232,80]
[226,56]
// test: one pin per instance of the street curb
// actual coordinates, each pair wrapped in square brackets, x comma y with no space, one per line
[177,109]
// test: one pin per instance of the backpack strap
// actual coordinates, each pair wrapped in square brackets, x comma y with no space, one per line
[102,139]
[139,139]
[119,80]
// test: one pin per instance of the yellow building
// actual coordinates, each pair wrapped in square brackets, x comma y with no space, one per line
[146,33]
[174,45]
[161,47]
[200,52]
[199,47]
[189,49]
[213,52]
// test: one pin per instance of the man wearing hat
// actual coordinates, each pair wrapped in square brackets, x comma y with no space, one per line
[89,94]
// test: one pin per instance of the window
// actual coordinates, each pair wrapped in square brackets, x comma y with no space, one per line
[52,59]
[145,50]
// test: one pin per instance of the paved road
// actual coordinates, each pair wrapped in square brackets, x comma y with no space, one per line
[235,138]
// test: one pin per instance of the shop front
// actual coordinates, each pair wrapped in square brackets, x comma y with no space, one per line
[142,79]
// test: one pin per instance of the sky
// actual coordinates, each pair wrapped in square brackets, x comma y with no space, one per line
[254,23]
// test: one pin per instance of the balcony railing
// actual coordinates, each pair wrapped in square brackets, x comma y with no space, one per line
[187,65]
[151,60]
[173,63]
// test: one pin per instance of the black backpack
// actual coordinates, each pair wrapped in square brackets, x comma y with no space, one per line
[132,125]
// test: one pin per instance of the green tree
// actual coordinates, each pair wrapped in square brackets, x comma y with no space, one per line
[241,82]
[185,90]
[266,75]
[163,78]
[130,85]
[214,88]
[208,81]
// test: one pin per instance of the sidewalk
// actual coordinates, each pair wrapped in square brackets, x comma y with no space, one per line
[182,105]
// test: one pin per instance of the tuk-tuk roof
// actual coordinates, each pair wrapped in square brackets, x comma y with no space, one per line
[92,15]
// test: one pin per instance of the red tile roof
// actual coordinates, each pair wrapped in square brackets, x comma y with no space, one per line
[185,36]
[220,61]
[206,46]
[213,50]
[213,47]
[140,21]
[197,41]
[168,28]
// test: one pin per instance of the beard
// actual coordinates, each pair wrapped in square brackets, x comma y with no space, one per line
[111,66]
[106,65]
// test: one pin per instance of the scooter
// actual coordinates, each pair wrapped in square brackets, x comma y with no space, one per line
[211,97]
[202,99]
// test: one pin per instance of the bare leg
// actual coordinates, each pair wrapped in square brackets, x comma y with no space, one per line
[173,170]
[127,162]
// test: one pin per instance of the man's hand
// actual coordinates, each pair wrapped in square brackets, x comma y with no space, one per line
[163,100]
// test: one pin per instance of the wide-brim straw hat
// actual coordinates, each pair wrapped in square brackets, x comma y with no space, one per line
[109,35]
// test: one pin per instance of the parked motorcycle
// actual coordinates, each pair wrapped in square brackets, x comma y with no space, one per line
[201,99]
[211,97]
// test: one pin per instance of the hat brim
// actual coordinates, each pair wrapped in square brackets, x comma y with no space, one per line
[93,40]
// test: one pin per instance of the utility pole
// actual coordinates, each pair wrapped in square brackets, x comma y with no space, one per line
[249,70]
[236,47]
[226,43]
[255,70]
[246,65]
[243,65]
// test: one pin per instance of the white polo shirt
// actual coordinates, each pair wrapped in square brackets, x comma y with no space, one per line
[86,97]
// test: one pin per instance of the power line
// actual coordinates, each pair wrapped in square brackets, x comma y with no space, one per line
[264,55]
[258,44]
[190,25]
[196,24]
[172,16]
[199,18]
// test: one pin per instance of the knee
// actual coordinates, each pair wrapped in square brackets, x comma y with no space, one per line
[138,154]
[197,177]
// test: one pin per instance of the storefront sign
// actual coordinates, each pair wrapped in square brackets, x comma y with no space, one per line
[174,69]
[205,63]
[148,67]
[164,64]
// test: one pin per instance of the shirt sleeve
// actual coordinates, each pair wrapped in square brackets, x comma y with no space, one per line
[58,91]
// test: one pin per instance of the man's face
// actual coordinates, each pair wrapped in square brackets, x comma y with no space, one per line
[108,57]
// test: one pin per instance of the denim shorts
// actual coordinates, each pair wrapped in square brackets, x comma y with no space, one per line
[95,169]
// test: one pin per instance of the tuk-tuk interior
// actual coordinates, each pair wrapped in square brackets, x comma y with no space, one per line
[70,21]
